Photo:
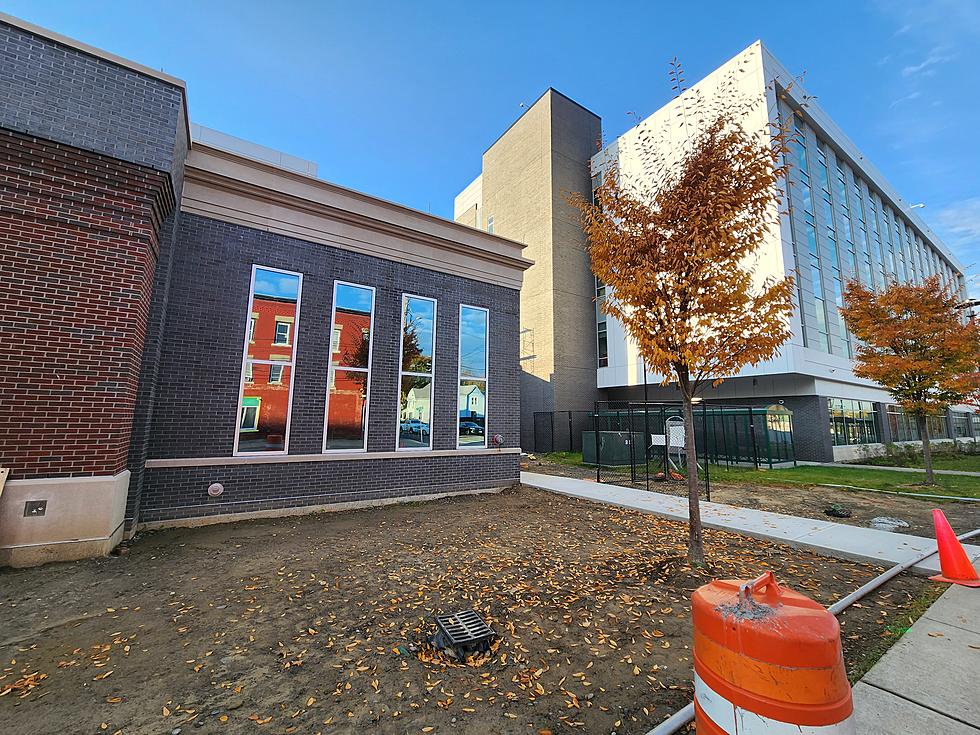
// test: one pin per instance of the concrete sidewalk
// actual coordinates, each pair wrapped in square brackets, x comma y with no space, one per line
[825,537]
[928,682]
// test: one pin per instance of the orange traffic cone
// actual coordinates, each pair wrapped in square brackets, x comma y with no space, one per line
[953,560]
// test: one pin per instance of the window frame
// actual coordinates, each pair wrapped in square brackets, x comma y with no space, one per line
[601,324]
[331,369]
[843,426]
[275,335]
[431,375]
[486,378]
[294,348]
[255,423]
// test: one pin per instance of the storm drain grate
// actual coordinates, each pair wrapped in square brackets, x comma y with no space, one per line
[464,632]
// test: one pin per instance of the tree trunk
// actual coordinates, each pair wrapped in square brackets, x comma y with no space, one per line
[695,547]
[926,447]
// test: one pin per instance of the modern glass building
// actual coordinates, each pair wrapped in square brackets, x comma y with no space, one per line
[840,220]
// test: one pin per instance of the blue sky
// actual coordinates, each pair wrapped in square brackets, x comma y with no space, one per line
[277,285]
[400,99]
[355,298]
[421,313]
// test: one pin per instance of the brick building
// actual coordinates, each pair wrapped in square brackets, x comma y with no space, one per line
[194,327]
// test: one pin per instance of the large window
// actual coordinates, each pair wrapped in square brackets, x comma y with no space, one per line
[267,365]
[602,338]
[961,425]
[349,374]
[817,336]
[904,428]
[901,426]
[852,422]
[473,340]
[417,371]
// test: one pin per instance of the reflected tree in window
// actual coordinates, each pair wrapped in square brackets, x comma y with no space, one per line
[417,360]
[349,372]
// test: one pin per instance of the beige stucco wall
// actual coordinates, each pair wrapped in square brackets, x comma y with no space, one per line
[83,518]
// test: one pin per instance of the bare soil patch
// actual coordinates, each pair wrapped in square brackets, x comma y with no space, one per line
[802,500]
[305,624]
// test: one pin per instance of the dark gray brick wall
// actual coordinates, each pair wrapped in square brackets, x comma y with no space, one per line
[811,428]
[182,492]
[67,96]
[195,410]
[153,346]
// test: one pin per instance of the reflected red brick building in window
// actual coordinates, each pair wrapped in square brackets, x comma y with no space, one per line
[265,399]
[349,348]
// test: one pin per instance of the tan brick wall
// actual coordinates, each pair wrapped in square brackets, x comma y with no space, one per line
[527,176]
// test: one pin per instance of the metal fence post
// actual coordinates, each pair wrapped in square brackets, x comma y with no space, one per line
[629,438]
[595,431]
[707,454]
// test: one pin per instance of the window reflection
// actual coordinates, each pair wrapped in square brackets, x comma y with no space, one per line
[347,409]
[265,410]
[418,351]
[416,410]
[349,378]
[472,397]
[418,327]
[273,314]
[472,342]
[351,332]
[472,412]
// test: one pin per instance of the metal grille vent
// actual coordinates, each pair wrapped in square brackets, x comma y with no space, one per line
[463,632]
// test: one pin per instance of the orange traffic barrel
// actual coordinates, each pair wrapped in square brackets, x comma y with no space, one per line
[767,660]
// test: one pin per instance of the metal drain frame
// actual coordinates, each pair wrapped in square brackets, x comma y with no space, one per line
[463,632]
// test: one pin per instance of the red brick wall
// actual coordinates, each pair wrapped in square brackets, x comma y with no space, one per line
[78,246]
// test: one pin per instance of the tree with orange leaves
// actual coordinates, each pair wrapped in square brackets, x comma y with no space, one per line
[677,250]
[915,342]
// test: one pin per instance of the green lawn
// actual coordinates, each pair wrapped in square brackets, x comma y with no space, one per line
[570,458]
[961,462]
[876,479]
[861,477]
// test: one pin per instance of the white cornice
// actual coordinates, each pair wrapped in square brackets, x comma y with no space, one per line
[234,188]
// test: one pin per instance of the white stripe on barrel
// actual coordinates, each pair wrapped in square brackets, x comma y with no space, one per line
[737,721]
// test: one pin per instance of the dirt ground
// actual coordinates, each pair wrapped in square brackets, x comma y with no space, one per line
[800,500]
[320,623]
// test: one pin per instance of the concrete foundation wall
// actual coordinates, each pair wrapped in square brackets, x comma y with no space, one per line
[82,517]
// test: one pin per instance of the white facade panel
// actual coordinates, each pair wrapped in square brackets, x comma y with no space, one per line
[755,74]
